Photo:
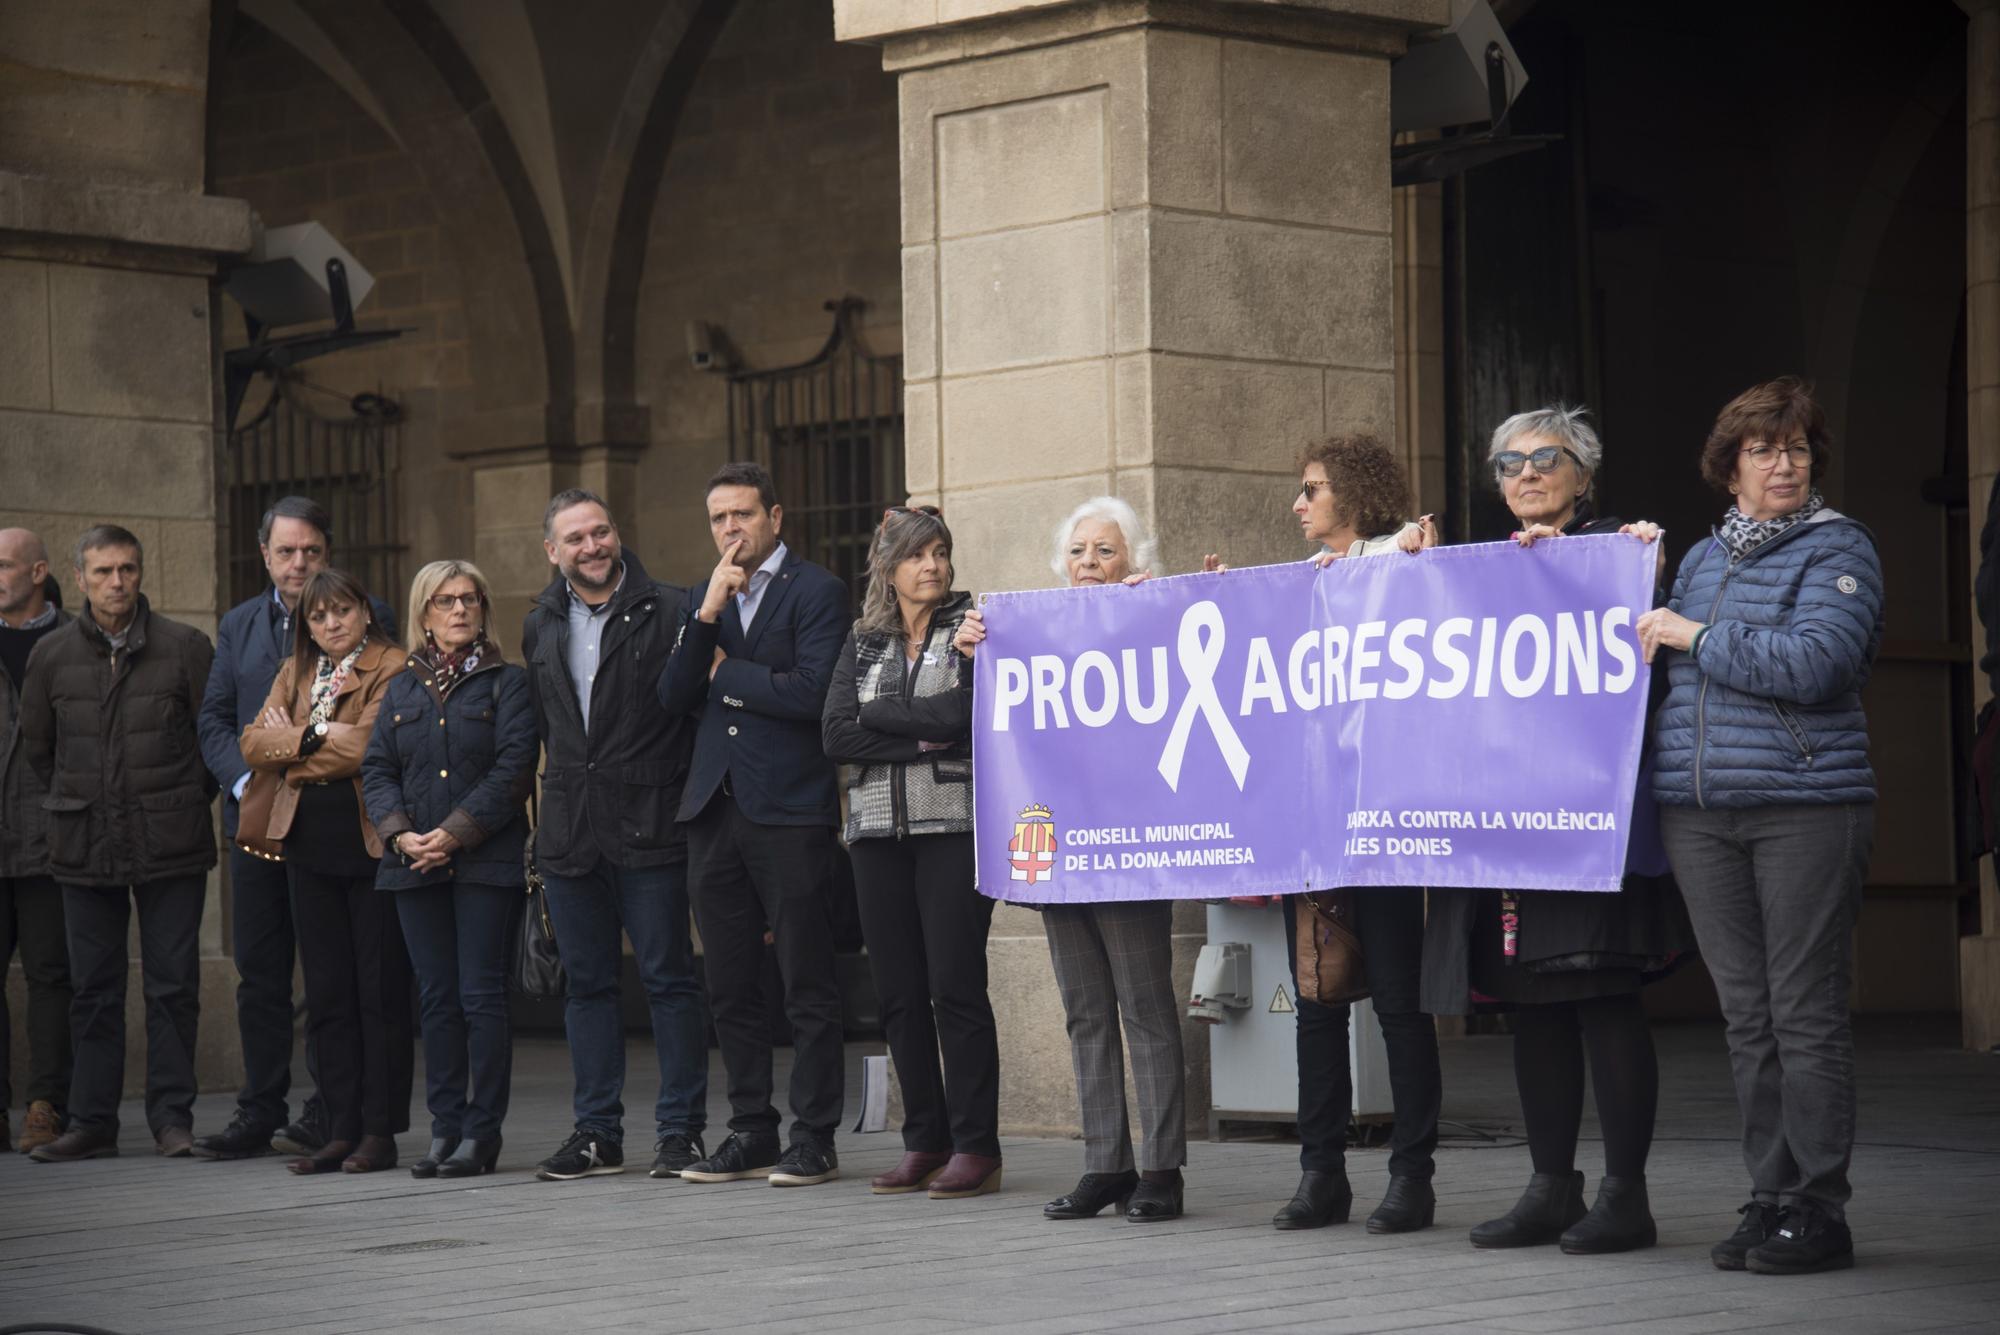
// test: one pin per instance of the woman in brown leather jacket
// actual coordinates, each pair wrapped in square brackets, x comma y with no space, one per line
[313,730]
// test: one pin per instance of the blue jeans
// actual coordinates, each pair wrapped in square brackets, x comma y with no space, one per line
[651,904]
[458,936]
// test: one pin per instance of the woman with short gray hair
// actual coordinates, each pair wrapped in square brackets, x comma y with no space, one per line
[1115,960]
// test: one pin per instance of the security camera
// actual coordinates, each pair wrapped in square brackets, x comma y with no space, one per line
[708,348]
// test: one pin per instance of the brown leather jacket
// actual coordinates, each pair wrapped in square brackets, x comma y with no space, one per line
[349,727]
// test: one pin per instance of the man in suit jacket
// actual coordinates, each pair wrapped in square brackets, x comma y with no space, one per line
[757,647]
[295,540]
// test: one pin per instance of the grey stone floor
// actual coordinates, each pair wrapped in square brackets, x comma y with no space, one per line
[139,1244]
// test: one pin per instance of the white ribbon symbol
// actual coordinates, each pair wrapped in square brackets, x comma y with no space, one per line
[1200,650]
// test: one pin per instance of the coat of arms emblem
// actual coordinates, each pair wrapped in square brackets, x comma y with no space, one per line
[1031,855]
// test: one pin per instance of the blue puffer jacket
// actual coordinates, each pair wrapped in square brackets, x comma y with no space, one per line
[1771,713]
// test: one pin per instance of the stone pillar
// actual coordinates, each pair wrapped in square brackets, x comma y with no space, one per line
[1146,250]
[108,356]
[1979,956]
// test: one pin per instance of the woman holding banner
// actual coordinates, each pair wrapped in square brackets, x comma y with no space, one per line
[1768,805]
[1115,960]
[1353,501]
[1569,965]
[899,712]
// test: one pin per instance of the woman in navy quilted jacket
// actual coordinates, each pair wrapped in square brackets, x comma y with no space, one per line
[1768,805]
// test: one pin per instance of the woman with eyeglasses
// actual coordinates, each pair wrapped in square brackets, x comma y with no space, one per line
[899,715]
[446,778]
[1768,804]
[1568,966]
[313,730]
[1114,962]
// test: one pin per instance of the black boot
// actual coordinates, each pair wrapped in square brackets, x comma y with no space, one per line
[1619,1222]
[471,1158]
[1552,1202]
[440,1150]
[1091,1194]
[1408,1205]
[1322,1199]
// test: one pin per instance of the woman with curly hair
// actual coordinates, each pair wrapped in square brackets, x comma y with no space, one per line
[1353,501]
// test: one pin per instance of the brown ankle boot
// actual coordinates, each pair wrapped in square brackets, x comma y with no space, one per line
[913,1174]
[967,1175]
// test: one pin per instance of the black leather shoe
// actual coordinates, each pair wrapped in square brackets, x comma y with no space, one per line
[1322,1199]
[471,1158]
[1092,1192]
[241,1139]
[1552,1202]
[440,1150]
[1760,1221]
[1408,1205]
[1153,1202]
[1620,1221]
[1807,1240]
[308,1135]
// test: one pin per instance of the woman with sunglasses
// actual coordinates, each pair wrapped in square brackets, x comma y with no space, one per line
[446,777]
[1768,805]
[1568,966]
[899,715]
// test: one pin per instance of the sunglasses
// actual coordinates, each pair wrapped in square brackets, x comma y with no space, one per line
[1511,462]
[930,510]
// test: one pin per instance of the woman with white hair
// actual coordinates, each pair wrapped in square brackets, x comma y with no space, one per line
[1114,962]
[1567,965]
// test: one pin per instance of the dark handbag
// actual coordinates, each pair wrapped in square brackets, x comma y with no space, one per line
[538,967]
[253,816]
[1330,968]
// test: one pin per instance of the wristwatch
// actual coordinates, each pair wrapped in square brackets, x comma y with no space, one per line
[319,729]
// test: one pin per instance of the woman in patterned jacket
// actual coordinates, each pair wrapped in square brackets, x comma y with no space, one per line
[899,713]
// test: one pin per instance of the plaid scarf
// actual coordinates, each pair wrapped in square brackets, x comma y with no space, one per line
[449,668]
[1742,535]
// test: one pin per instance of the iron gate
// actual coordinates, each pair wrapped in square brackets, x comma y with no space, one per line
[348,463]
[830,430]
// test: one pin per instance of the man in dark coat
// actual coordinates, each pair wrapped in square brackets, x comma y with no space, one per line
[295,540]
[107,725]
[607,847]
[757,648]
[31,914]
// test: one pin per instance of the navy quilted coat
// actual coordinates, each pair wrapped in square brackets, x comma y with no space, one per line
[1770,714]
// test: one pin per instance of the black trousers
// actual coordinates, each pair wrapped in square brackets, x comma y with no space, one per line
[926,931]
[742,879]
[97,918]
[31,919]
[357,1001]
[264,946]
[1390,923]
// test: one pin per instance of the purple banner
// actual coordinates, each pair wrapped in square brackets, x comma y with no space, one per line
[1470,716]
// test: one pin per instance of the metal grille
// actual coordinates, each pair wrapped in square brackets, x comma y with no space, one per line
[347,463]
[830,430]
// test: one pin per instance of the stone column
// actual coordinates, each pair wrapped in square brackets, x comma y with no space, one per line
[108,389]
[1147,250]
[1979,956]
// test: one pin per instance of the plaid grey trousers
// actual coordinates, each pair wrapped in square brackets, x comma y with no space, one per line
[1112,960]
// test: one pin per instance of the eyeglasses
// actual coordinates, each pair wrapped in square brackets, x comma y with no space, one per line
[1311,489]
[1509,463]
[1764,455]
[444,602]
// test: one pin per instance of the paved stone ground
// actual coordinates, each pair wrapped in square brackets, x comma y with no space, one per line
[139,1244]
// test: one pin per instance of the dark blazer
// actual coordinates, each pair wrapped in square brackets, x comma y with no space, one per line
[611,792]
[111,739]
[462,762]
[248,653]
[760,716]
